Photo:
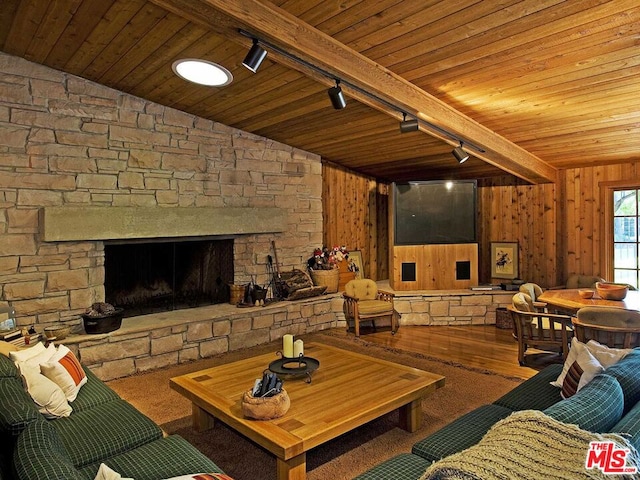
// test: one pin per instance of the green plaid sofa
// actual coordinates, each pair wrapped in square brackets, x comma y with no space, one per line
[609,403]
[103,428]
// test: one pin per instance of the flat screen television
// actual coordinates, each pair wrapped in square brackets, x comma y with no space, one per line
[435,212]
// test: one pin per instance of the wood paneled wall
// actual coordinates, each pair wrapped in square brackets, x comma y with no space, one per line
[559,227]
[355,215]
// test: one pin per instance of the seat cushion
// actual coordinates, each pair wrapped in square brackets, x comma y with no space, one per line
[597,407]
[96,433]
[94,392]
[167,457]
[374,307]
[461,433]
[629,425]
[536,393]
[406,466]
[626,372]
[40,454]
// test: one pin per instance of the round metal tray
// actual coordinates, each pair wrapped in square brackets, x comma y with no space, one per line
[295,367]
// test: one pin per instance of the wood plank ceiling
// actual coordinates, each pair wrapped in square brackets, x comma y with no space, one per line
[539,85]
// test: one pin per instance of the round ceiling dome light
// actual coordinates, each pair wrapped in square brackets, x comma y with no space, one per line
[202,72]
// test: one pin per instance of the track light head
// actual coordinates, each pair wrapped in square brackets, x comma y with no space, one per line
[337,97]
[410,125]
[460,154]
[255,56]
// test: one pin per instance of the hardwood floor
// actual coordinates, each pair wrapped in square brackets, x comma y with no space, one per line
[478,346]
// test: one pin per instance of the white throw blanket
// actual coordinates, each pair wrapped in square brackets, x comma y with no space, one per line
[530,445]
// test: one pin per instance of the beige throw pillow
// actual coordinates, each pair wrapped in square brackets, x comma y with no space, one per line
[48,397]
[65,370]
[580,372]
[26,353]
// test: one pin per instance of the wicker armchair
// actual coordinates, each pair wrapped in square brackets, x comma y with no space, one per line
[364,302]
[541,330]
[611,326]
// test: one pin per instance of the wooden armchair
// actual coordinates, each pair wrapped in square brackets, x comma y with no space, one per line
[611,326]
[580,281]
[364,302]
[534,291]
[541,330]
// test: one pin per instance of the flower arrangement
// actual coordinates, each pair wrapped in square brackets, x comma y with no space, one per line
[326,258]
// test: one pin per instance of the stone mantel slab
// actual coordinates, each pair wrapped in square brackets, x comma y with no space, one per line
[71,223]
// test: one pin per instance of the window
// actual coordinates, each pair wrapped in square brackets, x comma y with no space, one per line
[625,210]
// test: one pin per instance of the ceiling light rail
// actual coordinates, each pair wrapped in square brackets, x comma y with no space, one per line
[338,101]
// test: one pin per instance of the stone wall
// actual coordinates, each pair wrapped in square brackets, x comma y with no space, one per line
[156,341]
[65,141]
[455,307]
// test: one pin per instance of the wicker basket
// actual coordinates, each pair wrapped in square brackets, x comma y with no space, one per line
[236,293]
[328,278]
[503,318]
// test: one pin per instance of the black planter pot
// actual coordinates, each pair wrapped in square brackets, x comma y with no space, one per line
[103,323]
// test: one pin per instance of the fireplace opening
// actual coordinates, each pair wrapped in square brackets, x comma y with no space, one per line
[162,276]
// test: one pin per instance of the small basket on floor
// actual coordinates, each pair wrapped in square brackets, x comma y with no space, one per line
[503,319]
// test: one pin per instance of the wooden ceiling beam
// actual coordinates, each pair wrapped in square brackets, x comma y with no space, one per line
[287,32]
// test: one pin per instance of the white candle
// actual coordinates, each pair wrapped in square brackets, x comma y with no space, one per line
[287,345]
[298,348]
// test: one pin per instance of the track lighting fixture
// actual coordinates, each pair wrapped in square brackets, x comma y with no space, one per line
[410,125]
[337,98]
[460,154]
[257,53]
[255,56]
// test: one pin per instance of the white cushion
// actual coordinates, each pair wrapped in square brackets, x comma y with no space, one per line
[576,346]
[580,372]
[607,356]
[65,370]
[22,355]
[49,397]
[202,476]
[106,473]
[34,361]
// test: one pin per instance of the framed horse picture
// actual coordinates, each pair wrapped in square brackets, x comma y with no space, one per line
[504,259]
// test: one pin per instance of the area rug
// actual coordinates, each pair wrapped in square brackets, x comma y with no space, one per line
[342,458]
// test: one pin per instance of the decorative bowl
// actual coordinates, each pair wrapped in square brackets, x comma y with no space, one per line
[612,291]
[57,331]
[586,293]
[265,408]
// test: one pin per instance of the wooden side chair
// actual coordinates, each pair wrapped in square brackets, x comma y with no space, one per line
[611,326]
[583,281]
[364,302]
[542,330]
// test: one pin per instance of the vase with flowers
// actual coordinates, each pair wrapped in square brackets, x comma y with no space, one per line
[327,267]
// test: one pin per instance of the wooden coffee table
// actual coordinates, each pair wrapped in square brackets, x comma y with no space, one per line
[346,391]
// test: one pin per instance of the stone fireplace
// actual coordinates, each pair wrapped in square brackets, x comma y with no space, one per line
[85,167]
[155,276]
